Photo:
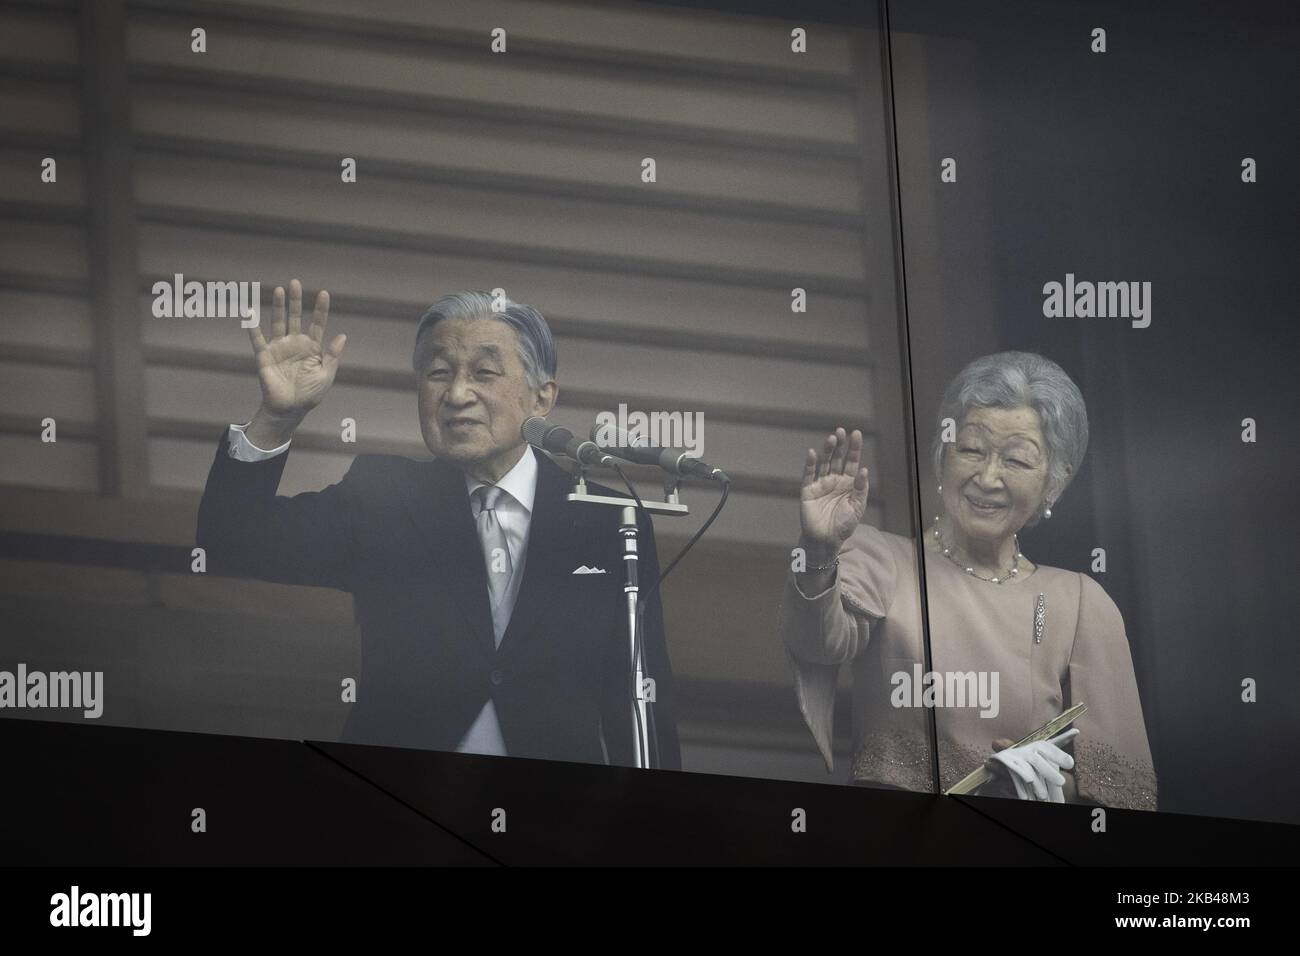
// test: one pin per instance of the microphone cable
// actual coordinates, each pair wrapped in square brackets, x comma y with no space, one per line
[722,501]
[644,596]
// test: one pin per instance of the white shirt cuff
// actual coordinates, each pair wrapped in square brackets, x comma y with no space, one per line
[241,449]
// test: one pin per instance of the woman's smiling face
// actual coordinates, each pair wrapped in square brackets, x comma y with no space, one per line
[995,473]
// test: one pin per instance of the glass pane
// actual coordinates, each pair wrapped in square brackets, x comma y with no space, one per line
[1096,278]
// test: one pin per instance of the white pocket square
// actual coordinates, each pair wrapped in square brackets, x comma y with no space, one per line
[583,569]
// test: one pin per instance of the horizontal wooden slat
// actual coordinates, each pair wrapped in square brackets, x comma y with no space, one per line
[554,226]
[701,381]
[20,177]
[34,511]
[42,213]
[31,319]
[67,463]
[506,255]
[27,104]
[654,301]
[496,82]
[46,36]
[29,390]
[42,249]
[503,155]
[78,355]
[42,285]
[70,428]
[672,34]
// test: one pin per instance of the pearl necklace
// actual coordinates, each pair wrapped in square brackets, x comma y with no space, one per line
[947,553]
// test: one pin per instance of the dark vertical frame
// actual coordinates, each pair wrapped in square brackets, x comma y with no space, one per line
[905,349]
[889,474]
[112,251]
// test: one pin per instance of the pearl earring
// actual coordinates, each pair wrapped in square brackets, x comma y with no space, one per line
[941,491]
[1047,512]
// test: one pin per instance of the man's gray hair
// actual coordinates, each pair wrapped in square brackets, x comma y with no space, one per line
[536,344]
[1014,380]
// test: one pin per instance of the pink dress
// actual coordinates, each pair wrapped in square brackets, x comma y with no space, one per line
[870,620]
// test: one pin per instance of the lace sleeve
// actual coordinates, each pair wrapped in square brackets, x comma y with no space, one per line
[820,632]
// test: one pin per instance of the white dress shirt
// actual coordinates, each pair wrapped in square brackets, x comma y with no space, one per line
[242,449]
[514,515]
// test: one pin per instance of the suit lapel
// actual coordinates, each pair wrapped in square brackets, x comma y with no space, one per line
[438,503]
[549,531]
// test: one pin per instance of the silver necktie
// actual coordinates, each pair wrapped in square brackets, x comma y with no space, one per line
[496,557]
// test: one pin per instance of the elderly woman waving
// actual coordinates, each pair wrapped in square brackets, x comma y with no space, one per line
[1012,431]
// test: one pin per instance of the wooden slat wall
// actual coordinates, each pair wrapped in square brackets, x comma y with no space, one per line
[46,336]
[520,171]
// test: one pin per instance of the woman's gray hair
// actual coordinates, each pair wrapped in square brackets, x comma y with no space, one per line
[536,344]
[1014,380]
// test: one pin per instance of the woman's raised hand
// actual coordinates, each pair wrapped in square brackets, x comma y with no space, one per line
[833,497]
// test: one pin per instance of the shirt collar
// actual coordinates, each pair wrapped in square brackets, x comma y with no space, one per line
[520,482]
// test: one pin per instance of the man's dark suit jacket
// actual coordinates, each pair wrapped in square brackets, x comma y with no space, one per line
[400,536]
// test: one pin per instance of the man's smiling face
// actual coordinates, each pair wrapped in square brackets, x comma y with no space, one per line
[474,396]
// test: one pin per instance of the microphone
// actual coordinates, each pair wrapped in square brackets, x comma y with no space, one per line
[676,461]
[561,441]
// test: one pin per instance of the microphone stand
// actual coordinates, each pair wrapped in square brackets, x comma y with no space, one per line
[629,532]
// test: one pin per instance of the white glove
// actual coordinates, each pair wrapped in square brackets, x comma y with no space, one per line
[1035,768]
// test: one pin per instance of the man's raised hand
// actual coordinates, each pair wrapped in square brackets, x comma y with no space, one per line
[294,368]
